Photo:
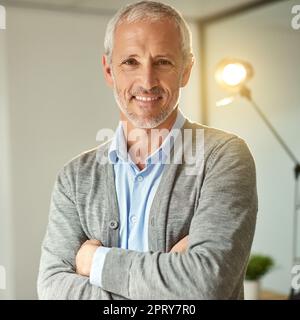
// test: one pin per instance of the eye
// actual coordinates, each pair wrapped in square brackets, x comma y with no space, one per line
[163,62]
[130,62]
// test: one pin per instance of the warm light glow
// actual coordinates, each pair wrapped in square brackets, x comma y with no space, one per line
[225,102]
[233,74]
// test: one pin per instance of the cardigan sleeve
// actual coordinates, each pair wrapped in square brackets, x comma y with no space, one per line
[220,239]
[57,278]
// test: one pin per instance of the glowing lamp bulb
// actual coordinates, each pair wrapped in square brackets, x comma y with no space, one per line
[234,74]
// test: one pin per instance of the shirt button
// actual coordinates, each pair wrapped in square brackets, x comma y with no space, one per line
[133,219]
[140,178]
[113,224]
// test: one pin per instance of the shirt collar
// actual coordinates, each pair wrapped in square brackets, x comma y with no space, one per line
[118,147]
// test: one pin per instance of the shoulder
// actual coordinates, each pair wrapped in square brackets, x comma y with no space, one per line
[212,136]
[220,145]
[84,164]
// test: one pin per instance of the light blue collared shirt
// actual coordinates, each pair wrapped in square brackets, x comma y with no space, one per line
[135,190]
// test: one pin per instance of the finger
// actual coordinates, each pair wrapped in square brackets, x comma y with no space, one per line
[93,241]
[181,245]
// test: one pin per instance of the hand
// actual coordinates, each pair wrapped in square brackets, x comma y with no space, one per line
[181,245]
[84,257]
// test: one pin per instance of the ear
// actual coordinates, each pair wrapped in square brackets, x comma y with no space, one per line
[107,71]
[187,72]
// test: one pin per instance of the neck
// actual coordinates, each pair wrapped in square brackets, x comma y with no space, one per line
[143,142]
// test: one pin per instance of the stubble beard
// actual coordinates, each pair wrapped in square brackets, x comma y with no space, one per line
[142,121]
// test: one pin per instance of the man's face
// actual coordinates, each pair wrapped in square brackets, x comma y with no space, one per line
[147,71]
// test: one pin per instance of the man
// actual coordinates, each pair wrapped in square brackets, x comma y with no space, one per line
[130,222]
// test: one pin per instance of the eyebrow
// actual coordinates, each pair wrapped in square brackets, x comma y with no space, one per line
[168,56]
[129,56]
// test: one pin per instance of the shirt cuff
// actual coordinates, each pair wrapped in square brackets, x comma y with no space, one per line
[97,266]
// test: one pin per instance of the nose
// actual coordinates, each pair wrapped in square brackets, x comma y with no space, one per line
[149,77]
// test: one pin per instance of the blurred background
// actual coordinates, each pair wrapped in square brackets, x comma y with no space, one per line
[53,100]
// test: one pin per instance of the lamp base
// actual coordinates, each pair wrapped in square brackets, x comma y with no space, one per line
[294,295]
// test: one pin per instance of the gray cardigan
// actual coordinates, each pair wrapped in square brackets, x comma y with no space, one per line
[216,207]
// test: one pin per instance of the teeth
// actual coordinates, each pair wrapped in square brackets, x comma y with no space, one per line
[140,98]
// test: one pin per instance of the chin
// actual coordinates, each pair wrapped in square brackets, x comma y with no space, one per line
[146,119]
[142,123]
[148,122]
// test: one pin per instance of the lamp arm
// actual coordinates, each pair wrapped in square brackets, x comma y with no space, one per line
[245,92]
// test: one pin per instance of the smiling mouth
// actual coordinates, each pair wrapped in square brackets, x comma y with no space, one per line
[147,98]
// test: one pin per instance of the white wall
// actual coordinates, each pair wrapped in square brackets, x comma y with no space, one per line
[57,102]
[190,101]
[6,245]
[265,38]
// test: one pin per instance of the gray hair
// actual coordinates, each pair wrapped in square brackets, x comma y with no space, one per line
[150,11]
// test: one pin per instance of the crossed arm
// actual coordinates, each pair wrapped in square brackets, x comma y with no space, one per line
[84,256]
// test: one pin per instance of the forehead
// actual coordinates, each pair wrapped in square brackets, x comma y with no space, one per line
[159,36]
